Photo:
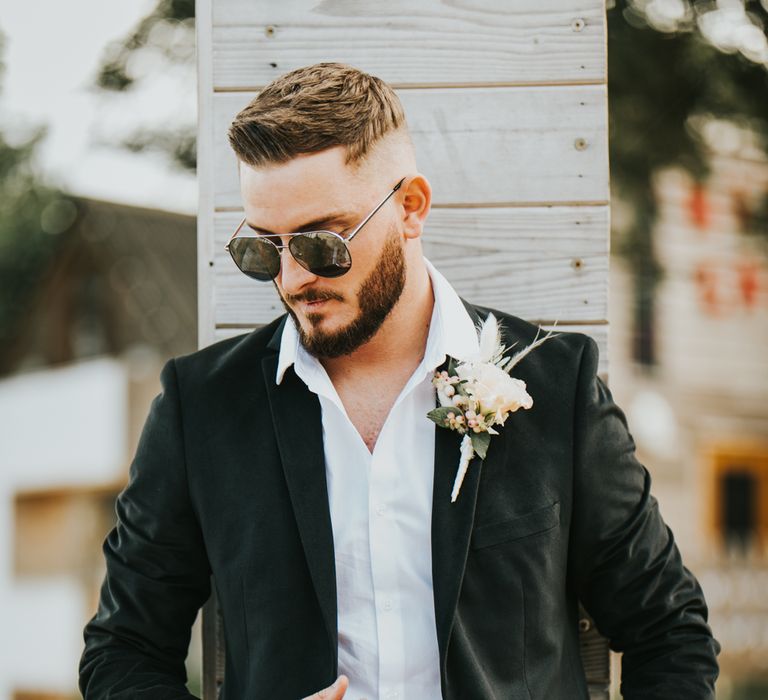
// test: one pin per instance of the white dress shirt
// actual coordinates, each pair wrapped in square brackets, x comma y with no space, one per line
[381,509]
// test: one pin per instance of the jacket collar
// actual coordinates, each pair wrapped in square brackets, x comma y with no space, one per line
[297,425]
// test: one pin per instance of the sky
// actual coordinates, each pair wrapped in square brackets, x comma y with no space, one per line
[49,81]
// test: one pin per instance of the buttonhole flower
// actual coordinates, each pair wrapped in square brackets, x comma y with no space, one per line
[478,393]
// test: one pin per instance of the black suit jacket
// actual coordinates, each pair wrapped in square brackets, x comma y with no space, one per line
[229,480]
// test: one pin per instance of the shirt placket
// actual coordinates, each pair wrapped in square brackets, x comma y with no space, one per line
[386,548]
[318,382]
[382,529]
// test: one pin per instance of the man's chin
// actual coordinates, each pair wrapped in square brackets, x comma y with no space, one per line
[322,328]
[320,324]
[326,337]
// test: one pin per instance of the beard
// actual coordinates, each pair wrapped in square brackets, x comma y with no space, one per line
[376,297]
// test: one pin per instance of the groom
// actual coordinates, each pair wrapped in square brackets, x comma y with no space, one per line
[297,467]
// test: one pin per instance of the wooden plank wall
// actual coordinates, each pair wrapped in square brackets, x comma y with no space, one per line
[507,105]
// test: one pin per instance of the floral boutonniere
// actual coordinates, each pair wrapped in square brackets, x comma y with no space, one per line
[478,393]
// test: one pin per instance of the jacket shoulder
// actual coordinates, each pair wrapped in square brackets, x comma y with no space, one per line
[231,356]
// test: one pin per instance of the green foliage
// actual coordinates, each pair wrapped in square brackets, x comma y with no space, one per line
[480,443]
[180,144]
[663,83]
[659,83]
[160,29]
[31,217]
[758,220]
[113,74]
[169,30]
[441,414]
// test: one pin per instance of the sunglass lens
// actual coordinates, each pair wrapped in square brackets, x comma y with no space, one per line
[322,253]
[256,257]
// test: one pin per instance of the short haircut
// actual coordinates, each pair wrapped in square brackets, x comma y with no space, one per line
[314,108]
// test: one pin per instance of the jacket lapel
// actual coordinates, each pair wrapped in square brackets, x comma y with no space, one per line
[451,525]
[298,428]
[451,530]
[452,522]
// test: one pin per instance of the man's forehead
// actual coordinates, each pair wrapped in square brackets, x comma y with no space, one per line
[321,172]
[297,194]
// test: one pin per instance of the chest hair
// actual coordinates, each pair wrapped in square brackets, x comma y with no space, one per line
[368,403]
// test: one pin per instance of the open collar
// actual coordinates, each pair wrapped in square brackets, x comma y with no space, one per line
[451,332]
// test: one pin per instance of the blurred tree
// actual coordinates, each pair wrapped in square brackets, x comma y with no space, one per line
[169,32]
[32,215]
[664,76]
[672,66]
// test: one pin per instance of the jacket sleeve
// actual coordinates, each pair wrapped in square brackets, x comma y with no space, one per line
[157,572]
[624,561]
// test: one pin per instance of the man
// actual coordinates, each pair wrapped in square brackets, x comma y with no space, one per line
[296,465]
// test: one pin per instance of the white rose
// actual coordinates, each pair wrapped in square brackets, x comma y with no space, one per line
[494,389]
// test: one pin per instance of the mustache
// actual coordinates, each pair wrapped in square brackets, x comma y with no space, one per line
[313,295]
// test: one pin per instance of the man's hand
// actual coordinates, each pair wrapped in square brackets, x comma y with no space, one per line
[332,692]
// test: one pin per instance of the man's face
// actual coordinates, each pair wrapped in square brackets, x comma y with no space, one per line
[319,191]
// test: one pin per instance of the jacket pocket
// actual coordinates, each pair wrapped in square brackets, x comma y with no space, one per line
[535,522]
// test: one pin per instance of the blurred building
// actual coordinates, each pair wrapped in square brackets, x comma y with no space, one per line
[692,376]
[115,300]
[120,278]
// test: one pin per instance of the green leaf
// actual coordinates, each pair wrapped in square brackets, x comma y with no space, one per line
[460,388]
[480,442]
[440,415]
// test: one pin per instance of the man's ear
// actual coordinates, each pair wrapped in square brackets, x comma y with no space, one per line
[417,201]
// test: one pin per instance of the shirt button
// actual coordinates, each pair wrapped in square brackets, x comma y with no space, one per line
[381,508]
[387,604]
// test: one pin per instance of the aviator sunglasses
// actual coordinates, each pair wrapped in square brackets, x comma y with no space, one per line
[323,253]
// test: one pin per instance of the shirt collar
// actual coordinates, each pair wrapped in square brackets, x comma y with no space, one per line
[451,331]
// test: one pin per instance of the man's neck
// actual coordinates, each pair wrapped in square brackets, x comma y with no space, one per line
[369,380]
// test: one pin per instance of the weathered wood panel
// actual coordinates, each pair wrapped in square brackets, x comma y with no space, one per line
[598,331]
[547,263]
[482,146]
[406,43]
[205,173]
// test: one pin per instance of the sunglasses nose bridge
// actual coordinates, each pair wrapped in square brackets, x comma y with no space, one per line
[293,273]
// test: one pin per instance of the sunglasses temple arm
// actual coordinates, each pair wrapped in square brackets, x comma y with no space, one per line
[353,234]
[237,230]
[381,204]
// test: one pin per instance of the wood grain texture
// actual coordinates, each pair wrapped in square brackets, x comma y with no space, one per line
[426,43]
[548,263]
[205,174]
[482,146]
[599,332]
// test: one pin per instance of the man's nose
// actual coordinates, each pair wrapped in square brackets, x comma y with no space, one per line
[293,277]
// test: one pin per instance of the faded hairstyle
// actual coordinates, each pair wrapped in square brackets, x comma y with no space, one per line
[314,108]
